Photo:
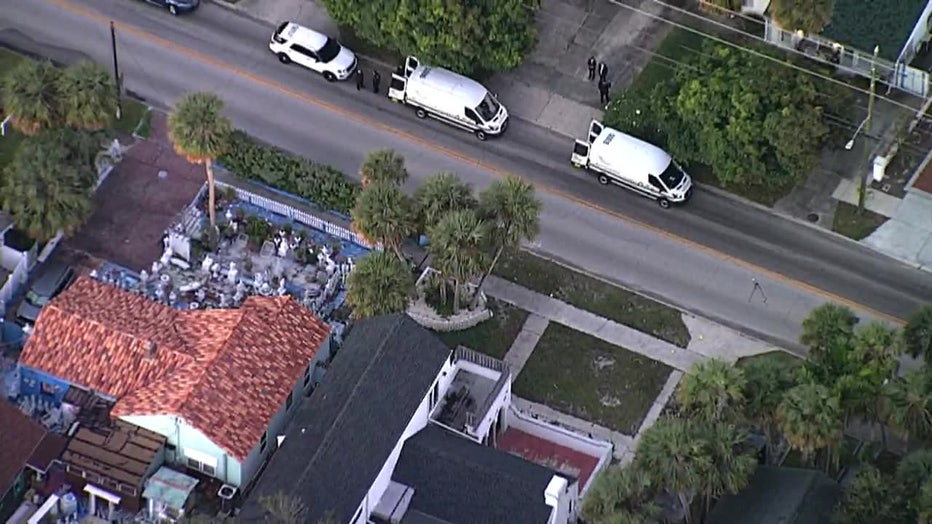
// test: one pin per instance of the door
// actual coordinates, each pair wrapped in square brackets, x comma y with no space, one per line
[411,64]
[580,156]
[595,129]
[304,56]
[396,88]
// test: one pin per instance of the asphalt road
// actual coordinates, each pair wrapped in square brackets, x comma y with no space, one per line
[704,257]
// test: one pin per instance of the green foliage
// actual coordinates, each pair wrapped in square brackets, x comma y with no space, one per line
[757,125]
[321,184]
[731,5]
[384,214]
[810,16]
[766,380]
[872,497]
[440,194]
[87,96]
[459,246]
[621,495]
[914,472]
[31,95]
[512,210]
[810,418]
[198,128]
[380,284]
[49,186]
[917,335]
[464,36]
[257,229]
[907,403]
[712,391]
[384,165]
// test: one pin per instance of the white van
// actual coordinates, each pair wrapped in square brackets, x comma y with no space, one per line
[295,43]
[450,97]
[632,163]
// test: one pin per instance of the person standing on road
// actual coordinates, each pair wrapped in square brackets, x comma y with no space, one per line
[376,80]
[603,72]
[360,79]
[591,65]
[604,86]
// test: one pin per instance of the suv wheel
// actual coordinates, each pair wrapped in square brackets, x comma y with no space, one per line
[330,77]
[283,58]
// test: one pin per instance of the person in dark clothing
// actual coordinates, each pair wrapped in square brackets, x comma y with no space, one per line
[360,79]
[400,70]
[604,86]
[376,80]
[591,65]
[603,72]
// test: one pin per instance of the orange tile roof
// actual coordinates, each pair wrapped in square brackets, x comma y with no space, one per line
[225,371]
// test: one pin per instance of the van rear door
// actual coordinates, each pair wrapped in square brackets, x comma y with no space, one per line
[580,156]
[396,88]
[411,63]
[595,129]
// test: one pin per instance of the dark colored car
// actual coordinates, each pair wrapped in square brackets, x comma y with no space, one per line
[52,279]
[176,6]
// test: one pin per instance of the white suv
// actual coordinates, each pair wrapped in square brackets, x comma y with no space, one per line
[295,43]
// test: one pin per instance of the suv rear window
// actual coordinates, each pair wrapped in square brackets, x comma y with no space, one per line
[277,37]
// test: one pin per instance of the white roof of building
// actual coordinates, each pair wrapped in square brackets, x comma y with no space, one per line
[465,89]
[303,36]
[614,148]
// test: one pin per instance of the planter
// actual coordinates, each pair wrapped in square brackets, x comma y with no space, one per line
[427,316]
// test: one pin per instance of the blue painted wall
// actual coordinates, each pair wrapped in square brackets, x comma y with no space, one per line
[37,383]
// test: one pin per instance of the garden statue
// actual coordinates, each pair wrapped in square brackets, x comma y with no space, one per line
[201,294]
[282,247]
[229,215]
[281,287]
[207,264]
[172,297]
[156,267]
[143,276]
[231,273]
[224,300]
[295,242]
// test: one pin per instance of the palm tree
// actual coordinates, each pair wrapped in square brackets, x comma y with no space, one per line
[907,403]
[873,355]
[49,185]
[513,212]
[201,133]
[917,335]
[809,16]
[870,498]
[380,284]
[30,95]
[733,462]
[284,509]
[440,194]
[827,324]
[713,390]
[670,456]
[384,214]
[458,245]
[87,96]
[766,380]
[810,418]
[384,165]
[914,477]
[621,495]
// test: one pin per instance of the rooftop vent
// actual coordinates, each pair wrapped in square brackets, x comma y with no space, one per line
[151,349]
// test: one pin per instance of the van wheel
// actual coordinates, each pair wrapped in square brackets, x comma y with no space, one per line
[283,58]
[664,203]
[603,180]
[421,113]
[330,77]
[480,134]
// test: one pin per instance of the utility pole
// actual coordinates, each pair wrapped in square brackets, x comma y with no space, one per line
[116,72]
[862,189]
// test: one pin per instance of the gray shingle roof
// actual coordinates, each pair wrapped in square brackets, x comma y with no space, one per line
[341,437]
[456,480]
[778,495]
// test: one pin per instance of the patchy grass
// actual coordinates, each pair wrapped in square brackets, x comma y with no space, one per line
[133,113]
[853,225]
[589,378]
[678,47]
[792,359]
[594,295]
[494,336]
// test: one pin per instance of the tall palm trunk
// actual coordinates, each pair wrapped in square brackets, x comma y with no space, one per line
[498,255]
[211,193]
[456,296]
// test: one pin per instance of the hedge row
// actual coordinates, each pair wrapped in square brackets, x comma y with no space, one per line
[321,184]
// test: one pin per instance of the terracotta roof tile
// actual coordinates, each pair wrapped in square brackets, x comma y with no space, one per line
[225,371]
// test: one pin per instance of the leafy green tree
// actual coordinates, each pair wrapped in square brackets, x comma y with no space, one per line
[87,96]
[49,185]
[380,284]
[907,404]
[872,497]
[384,214]
[917,335]
[766,380]
[30,95]
[201,134]
[913,477]
[440,194]
[384,165]
[512,211]
[464,36]
[712,391]
[621,495]
[809,16]
[810,418]
[458,244]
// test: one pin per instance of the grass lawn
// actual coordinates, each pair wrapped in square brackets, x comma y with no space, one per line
[594,295]
[679,46]
[134,112]
[589,378]
[494,336]
[853,225]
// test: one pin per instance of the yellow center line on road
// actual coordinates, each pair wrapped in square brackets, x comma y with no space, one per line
[164,43]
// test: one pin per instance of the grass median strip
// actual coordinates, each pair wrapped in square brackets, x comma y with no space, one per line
[588,378]
[493,337]
[854,225]
[594,295]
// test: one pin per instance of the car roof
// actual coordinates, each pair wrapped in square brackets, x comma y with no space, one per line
[616,148]
[301,35]
[466,89]
[50,275]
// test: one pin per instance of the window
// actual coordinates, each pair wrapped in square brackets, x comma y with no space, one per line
[263,442]
[200,466]
[329,51]
[672,175]
[304,51]
[488,108]
[470,114]
[48,389]
[289,401]
[654,181]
